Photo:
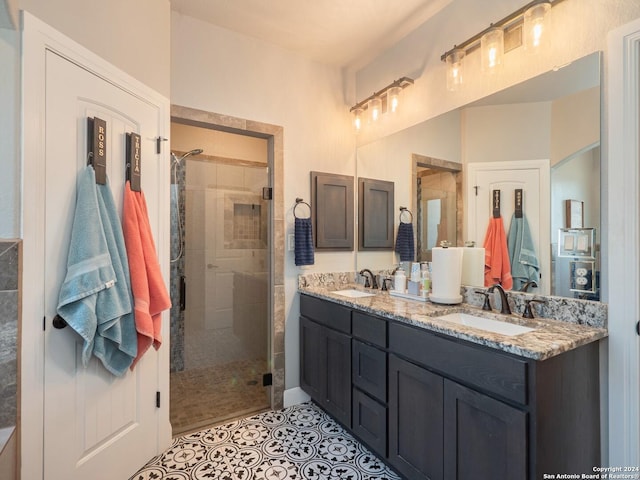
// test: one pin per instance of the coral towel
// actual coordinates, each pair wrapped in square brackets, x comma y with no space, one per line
[496,256]
[150,295]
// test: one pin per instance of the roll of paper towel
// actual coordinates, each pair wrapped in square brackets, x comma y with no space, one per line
[446,275]
[473,266]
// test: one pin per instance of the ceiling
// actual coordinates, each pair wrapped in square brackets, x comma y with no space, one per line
[345,33]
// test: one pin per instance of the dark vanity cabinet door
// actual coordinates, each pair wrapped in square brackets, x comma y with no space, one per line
[415,420]
[337,398]
[312,365]
[325,358]
[484,439]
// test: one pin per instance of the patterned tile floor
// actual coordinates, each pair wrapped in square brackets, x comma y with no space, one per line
[297,443]
[215,394]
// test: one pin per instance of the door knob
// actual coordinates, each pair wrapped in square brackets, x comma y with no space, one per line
[59,322]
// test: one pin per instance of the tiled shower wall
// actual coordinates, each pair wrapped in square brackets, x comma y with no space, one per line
[9,297]
[177,268]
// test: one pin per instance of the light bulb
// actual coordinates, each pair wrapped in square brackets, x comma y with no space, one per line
[357,119]
[375,109]
[393,99]
[492,50]
[454,69]
[534,26]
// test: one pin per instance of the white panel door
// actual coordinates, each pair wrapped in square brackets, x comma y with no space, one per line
[96,426]
[530,176]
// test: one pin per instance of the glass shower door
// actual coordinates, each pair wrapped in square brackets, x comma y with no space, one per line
[227,294]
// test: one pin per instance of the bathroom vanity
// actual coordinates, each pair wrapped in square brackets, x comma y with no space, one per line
[444,400]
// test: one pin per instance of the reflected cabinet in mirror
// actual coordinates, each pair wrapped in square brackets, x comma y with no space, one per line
[540,137]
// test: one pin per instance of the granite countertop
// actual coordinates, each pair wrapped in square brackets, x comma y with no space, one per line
[550,337]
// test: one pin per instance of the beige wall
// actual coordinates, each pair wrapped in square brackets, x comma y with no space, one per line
[498,133]
[575,124]
[9,134]
[132,35]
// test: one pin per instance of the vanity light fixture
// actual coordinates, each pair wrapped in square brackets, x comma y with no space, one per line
[528,23]
[385,100]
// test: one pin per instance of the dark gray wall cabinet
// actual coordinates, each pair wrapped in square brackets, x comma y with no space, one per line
[333,211]
[375,214]
[435,407]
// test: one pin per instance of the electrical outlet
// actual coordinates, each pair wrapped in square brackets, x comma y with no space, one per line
[291,242]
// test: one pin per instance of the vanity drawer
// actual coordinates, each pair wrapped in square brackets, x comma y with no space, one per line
[486,369]
[370,329]
[369,422]
[327,313]
[369,372]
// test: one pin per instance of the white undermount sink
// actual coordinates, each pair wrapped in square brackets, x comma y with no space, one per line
[352,293]
[495,326]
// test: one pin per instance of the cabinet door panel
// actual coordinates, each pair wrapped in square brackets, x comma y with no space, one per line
[484,439]
[313,375]
[415,420]
[338,368]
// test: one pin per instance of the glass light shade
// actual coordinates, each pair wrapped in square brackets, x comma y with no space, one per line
[375,109]
[454,69]
[357,119]
[393,99]
[534,26]
[492,50]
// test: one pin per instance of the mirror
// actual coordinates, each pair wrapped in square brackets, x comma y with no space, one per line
[566,134]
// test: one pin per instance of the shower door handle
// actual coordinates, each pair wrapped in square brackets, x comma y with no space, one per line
[183,293]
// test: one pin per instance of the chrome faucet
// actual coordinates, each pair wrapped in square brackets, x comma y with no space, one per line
[504,304]
[374,282]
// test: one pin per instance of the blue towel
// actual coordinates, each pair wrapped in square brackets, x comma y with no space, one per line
[404,242]
[304,241]
[95,298]
[524,262]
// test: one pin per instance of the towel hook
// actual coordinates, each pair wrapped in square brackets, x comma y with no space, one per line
[298,202]
[405,210]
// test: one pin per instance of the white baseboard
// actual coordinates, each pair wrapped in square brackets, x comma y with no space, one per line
[294,396]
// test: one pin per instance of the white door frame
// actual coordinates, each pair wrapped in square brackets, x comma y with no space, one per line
[621,250]
[37,38]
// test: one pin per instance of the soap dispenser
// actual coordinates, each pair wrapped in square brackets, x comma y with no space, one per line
[400,281]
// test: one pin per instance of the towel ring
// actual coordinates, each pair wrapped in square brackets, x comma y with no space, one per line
[405,210]
[298,202]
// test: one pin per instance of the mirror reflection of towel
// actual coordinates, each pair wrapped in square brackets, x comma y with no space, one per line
[497,268]
[522,255]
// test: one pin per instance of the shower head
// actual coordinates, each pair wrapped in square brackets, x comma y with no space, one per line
[195,151]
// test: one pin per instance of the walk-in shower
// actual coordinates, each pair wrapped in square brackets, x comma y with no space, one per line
[219,284]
